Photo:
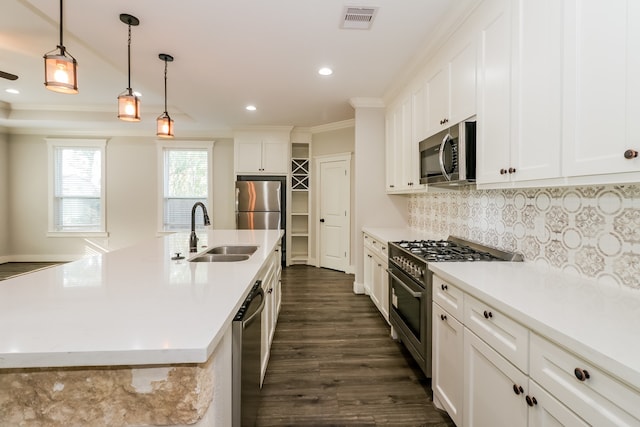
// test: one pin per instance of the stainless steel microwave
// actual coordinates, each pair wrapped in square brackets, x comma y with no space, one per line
[448,158]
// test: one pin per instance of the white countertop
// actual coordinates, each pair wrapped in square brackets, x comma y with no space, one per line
[133,306]
[597,322]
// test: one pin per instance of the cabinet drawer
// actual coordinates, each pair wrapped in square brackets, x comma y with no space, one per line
[505,335]
[448,297]
[599,399]
[378,247]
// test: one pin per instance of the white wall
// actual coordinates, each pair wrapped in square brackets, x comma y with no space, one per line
[373,207]
[131,191]
[4,196]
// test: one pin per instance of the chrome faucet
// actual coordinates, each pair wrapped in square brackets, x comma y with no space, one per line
[193,239]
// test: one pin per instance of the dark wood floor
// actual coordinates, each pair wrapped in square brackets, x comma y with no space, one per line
[11,269]
[334,364]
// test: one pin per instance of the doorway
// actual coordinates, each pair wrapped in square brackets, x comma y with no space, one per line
[334,211]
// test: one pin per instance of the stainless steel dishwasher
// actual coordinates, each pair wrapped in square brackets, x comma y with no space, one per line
[246,331]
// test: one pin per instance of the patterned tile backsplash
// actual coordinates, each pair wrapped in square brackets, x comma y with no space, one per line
[589,231]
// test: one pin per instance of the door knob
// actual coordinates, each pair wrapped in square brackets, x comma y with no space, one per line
[321,219]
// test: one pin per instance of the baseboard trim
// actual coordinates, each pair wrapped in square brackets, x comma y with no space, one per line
[358,288]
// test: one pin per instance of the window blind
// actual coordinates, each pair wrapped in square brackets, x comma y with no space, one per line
[77,189]
[186,174]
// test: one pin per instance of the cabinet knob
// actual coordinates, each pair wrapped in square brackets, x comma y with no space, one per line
[444,287]
[503,171]
[321,219]
[531,401]
[443,317]
[487,314]
[581,374]
[630,154]
[517,389]
[512,170]
[391,186]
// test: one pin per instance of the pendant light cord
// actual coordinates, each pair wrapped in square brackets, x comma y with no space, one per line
[128,58]
[165,86]
[61,46]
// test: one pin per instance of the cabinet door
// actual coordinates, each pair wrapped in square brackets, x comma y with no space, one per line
[463,67]
[275,156]
[602,87]
[248,156]
[494,99]
[491,382]
[391,160]
[448,363]
[384,296]
[419,112]
[376,290]
[548,411]
[438,101]
[368,272]
[537,99]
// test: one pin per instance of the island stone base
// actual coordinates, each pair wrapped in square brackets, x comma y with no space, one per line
[114,396]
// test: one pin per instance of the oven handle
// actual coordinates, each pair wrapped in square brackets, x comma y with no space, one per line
[408,289]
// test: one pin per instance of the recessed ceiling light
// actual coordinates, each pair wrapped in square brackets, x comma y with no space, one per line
[13,91]
[325,71]
[251,108]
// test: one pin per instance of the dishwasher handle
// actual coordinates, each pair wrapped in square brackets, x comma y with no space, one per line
[258,312]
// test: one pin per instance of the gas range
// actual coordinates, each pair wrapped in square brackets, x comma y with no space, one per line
[455,249]
[410,286]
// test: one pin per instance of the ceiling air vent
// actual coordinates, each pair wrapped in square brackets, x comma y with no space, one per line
[358,18]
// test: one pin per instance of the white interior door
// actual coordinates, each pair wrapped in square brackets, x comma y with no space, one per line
[334,196]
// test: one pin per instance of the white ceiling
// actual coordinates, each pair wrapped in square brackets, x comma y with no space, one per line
[228,53]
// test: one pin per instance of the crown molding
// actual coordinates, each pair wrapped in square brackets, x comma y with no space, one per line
[367,103]
[333,126]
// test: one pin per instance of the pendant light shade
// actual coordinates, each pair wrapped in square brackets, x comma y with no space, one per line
[164,122]
[128,102]
[60,67]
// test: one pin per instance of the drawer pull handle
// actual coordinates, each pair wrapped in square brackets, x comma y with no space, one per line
[443,317]
[487,314]
[444,287]
[531,401]
[517,389]
[581,374]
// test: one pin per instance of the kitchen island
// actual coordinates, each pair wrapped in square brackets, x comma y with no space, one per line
[130,337]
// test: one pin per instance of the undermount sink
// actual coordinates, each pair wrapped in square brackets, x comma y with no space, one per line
[233,249]
[220,257]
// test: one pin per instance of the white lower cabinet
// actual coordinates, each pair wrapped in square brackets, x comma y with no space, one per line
[494,389]
[447,363]
[272,295]
[376,280]
[547,411]
[587,390]
[512,376]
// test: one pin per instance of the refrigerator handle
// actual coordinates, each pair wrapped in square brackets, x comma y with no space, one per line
[237,198]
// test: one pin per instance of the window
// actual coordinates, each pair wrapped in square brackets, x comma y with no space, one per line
[186,179]
[76,186]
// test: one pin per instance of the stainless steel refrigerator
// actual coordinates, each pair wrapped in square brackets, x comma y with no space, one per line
[259,205]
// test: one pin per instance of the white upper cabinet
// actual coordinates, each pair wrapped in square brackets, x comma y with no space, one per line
[494,98]
[602,87]
[451,91]
[402,173]
[257,153]
[520,93]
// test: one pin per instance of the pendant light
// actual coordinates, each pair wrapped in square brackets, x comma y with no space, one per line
[164,122]
[60,67]
[128,102]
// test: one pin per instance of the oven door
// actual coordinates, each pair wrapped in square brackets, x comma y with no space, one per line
[407,313]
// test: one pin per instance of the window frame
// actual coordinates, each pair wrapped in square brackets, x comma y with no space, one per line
[52,145]
[163,145]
